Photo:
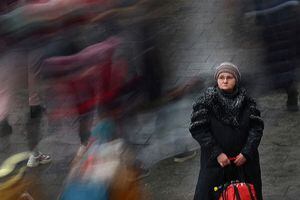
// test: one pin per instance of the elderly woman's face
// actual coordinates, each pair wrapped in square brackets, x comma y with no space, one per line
[226,82]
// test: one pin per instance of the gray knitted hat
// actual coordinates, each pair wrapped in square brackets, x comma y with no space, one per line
[229,68]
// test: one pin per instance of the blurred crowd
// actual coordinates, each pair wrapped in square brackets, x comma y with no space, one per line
[94,60]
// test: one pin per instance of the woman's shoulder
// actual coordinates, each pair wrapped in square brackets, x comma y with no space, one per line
[248,99]
[205,98]
[251,104]
[208,94]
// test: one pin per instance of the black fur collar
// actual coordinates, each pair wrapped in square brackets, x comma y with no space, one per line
[227,107]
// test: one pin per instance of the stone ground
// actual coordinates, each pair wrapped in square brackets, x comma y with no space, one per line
[195,36]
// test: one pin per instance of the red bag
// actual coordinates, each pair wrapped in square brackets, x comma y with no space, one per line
[238,191]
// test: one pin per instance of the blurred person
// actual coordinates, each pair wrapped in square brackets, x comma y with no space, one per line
[105,171]
[141,17]
[124,184]
[134,83]
[15,182]
[5,90]
[82,43]
[280,22]
[226,123]
[12,63]
[46,44]
[18,60]
[142,28]
[91,78]
[5,98]
[38,41]
[49,16]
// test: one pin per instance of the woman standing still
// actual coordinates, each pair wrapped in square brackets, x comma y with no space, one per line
[226,123]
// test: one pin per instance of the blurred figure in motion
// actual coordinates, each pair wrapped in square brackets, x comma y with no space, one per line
[81,68]
[16,183]
[105,171]
[89,79]
[31,40]
[280,21]
[136,19]
[103,174]
[140,19]
[20,61]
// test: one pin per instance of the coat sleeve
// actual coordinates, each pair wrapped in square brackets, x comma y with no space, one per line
[200,127]
[255,131]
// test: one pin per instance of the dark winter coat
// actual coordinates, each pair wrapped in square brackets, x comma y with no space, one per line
[228,123]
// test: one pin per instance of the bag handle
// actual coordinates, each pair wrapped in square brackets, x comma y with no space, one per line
[240,170]
[232,159]
[241,176]
[250,192]
[236,193]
